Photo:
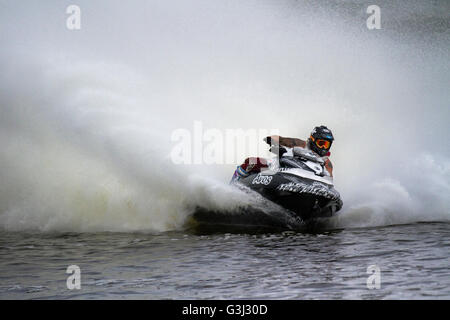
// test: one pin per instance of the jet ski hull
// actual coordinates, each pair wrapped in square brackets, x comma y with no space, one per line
[306,198]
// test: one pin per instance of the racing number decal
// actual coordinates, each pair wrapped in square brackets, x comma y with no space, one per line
[259,179]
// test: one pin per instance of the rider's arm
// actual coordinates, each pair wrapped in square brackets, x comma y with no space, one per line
[284,141]
[329,167]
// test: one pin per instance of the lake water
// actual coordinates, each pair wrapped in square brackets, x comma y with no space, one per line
[413,260]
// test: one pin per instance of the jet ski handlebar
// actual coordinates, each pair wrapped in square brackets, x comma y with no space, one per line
[307,154]
[297,152]
[278,150]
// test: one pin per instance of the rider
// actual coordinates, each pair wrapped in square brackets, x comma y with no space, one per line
[319,142]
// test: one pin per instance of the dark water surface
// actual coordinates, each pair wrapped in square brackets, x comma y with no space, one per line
[413,260]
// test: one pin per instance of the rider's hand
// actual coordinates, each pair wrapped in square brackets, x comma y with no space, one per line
[278,150]
[268,140]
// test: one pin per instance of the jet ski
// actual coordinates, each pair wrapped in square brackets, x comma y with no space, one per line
[297,181]
[294,193]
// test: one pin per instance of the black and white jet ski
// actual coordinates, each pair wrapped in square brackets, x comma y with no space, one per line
[297,181]
[295,192]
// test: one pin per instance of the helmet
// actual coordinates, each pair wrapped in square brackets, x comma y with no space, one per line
[320,140]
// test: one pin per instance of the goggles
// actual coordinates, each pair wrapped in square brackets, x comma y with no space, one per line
[322,143]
